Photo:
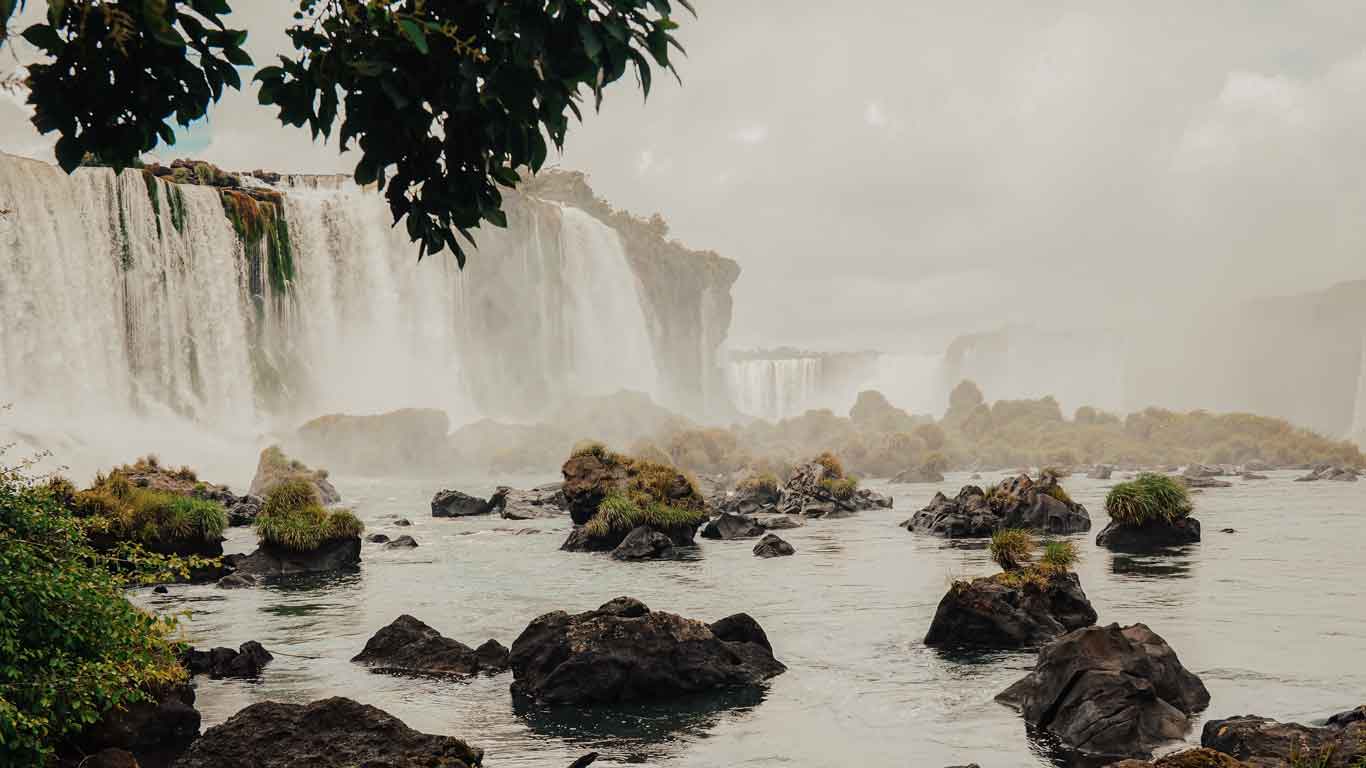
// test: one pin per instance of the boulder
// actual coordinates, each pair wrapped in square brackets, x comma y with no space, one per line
[1017,502]
[1100,472]
[1329,472]
[588,477]
[403,522]
[1341,743]
[966,515]
[581,539]
[750,496]
[541,501]
[1252,476]
[1204,481]
[1006,611]
[777,522]
[377,538]
[1257,465]
[154,731]
[728,526]
[272,560]
[1190,758]
[1152,535]
[643,543]
[274,467]
[110,757]
[808,492]
[402,542]
[1110,691]
[1202,470]
[331,733]
[921,474]
[246,662]
[244,510]
[625,652]
[409,646]
[237,581]
[448,503]
[772,546]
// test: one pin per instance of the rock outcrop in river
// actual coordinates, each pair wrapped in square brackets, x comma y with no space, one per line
[625,652]
[1329,472]
[449,503]
[153,731]
[1341,743]
[1151,512]
[245,662]
[275,467]
[1017,502]
[1109,691]
[407,645]
[820,488]
[614,498]
[515,504]
[1010,610]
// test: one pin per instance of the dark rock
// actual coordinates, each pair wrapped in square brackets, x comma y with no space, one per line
[1328,472]
[643,543]
[1252,476]
[402,542]
[246,662]
[160,589]
[588,478]
[1100,472]
[1204,481]
[155,732]
[110,758]
[237,581]
[271,560]
[1202,470]
[403,522]
[1344,719]
[750,497]
[377,538]
[1190,758]
[542,501]
[778,522]
[966,515]
[806,492]
[625,652]
[526,531]
[585,761]
[772,546]
[1152,535]
[741,628]
[447,503]
[819,509]
[331,733]
[581,540]
[1018,502]
[921,474]
[998,612]
[728,526]
[410,646]
[1228,530]
[1109,691]
[1263,741]
[244,510]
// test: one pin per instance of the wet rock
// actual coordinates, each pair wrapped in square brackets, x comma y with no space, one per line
[1100,472]
[155,732]
[1203,470]
[812,491]
[526,531]
[1017,502]
[403,522]
[1006,611]
[402,542]
[408,645]
[1252,476]
[237,581]
[1263,741]
[542,501]
[1109,691]
[274,467]
[243,511]
[753,494]
[1257,465]
[272,560]
[110,758]
[160,589]
[772,546]
[1329,472]
[1191,758]
[448,503]
[966,515]
[643,543]
[588,477]
[778,522]
[921,474]
[377,538]
[1204,481]
[582,539]
[585,761]
[331,733]
[728,526]
[1228,530]
[819,509]
[245,662]
[1153,535]
[623,652]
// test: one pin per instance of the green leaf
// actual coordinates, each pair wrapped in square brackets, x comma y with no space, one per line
[592,44]
[414,32]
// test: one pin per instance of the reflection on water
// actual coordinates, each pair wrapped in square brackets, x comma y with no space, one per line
[846,614]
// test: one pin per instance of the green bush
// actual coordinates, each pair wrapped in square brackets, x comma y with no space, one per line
[1012,548]
[118,508]
[842,488]
[71,646]
[294,518]
[1059,554]
[1146,498]
[619,513]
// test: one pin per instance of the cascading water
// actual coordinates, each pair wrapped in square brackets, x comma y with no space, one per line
[1358,432]
[127,300]
[774,389]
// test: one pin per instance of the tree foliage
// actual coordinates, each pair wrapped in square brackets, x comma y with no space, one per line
[446,99]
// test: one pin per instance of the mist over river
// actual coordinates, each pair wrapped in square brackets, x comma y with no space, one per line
[1269,617]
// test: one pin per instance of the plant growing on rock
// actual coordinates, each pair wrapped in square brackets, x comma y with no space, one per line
[763,482]
[842,488]
[1012,548]
[1059,554]
[833,468]
[1149,497]
[118,508]
[293,517]
[619,513]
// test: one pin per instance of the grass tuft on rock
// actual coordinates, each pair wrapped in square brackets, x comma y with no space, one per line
[117,507]
[619,513]
[834,468]
[293,517]
[1012,548]
[1147,498]
[842,488]
[1059,554]
[763,482]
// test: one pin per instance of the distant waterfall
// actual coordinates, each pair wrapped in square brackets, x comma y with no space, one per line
[1358,432]
[775,389]
[128,295]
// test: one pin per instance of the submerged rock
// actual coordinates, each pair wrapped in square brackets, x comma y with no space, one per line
[1152,535]
[448,503]
[1018,502]
[403,522]
[1263,741]
[273,560]
[728,526]
[1204,481]
[921,474]
[331,733]
[773,546]
[247,661]
[377,538]
[155,732]
[1010,610]
[1109,691]
[237,581]
[541,501]
[624,652]
[1252,476]
[402,542]
[410,646]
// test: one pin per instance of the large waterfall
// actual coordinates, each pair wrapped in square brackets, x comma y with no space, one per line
[126,300]
[774,389]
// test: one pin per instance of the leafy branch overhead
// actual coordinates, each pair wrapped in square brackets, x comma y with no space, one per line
[445,99]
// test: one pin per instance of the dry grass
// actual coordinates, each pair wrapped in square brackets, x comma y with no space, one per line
[1012,548]
[834,469]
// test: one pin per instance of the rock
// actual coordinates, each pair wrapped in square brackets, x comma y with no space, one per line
[1228,530]
[1109,691]
[1204,481]
[1202,470]
[1257,465]
[1018,502]
[728,526]
[274,467]
[777,522]
[1100,472]
[160,589]
[585,761]
[403,522]
[1001,612]
[772,546]
[588,477]
[110,758]
[402,542]
[331,733]
[753,493]
[377,538]
[625,652]
[1263,741]
[819,509]
[921,474]
[244,510]
[809,492]
[448,503]
[1190,758]
[155,732]
[407,645]
[1328,472]
[1252,476]
[542,501]
[643,543]
[247,661]
[1153,535]
[526,531]
[237,581]
[271,560]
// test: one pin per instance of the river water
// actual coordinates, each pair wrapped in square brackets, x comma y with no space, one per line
[1271,617]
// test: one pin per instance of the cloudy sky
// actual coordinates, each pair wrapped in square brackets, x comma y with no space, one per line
[889,171]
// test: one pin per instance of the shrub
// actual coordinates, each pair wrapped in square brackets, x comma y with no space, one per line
[1057,492]
[289,495]
[833,468]
[619,513]
[117,507]
[760,482]
[1012,548]
[590,448]
[842,489]
[1059,554]
[71,646]
[294,518]
[1146,498]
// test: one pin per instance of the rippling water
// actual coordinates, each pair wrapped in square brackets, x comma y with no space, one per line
[1271,617]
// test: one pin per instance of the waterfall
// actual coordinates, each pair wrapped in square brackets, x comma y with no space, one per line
[774,389]
[126,300]
[1358,432]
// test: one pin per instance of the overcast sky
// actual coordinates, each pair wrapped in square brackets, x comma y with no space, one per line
[887,171]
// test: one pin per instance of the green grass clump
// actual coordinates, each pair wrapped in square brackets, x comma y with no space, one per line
[293,517]
[1147,498]
[620,513]
[590,448]
[1012,548]
[1059,554]
[116,506]
[764,482]
[1058,493]
[842,488]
